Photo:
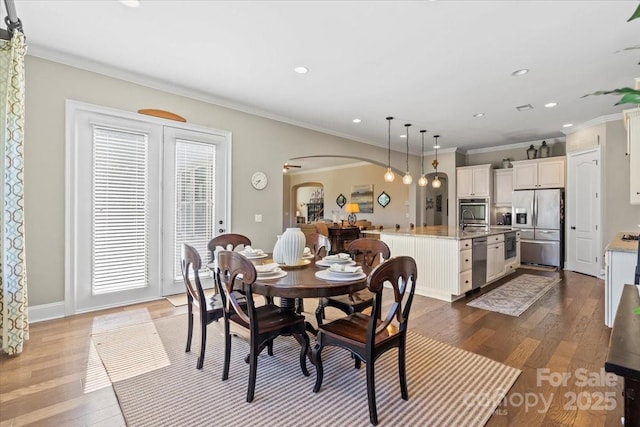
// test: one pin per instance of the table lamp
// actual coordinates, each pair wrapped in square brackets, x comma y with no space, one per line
[352,209]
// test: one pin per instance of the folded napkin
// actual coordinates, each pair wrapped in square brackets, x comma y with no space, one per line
[250,251]
[307,251]
[337,257]
[266,268]
[341,268]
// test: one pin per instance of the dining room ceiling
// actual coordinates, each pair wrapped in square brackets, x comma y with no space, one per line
[434,64]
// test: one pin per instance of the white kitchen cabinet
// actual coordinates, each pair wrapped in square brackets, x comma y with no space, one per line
[620,270]
[466,262]
[473,181]
[495,261]
[632,122]
[539,173]
[502,187]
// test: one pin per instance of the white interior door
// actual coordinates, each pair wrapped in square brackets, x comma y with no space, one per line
[583,212]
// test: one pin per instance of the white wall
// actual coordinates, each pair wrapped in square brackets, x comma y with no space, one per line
[258,144]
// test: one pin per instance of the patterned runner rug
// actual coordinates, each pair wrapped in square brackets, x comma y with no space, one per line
[515,296]
[157,383]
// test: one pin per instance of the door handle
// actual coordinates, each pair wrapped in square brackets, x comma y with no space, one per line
[572,227]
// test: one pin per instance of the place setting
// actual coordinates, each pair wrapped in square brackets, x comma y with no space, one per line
[251,253]
[341,272]
[270,271]
[339,258]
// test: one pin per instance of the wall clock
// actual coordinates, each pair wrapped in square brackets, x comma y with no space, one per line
[259,180]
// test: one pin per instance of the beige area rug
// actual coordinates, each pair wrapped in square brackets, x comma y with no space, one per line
[181,299]
[447,386]
[515,296]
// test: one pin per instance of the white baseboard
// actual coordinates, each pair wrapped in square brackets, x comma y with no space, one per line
[39,313]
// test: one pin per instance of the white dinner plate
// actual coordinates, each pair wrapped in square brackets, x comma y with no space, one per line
[273,272]
[323,263]
[340,277]
[344,273]
[254,256]
[280,274]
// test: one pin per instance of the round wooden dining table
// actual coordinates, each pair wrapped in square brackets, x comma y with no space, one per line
[301,282]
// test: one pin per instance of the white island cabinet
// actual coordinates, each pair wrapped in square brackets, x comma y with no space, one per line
[444,256]
[620,259]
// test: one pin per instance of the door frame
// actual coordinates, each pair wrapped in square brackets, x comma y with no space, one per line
[570,209]
[72,108]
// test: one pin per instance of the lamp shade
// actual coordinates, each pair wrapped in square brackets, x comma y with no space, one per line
[352,208]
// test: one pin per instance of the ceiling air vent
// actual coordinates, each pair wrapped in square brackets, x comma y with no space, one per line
[524,107]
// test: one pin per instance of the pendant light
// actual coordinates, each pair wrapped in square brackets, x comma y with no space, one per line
[389,176]
[436,181]
[407,179]
[423,181]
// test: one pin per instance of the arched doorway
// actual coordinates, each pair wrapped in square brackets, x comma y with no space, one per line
[309,202]
[436,201]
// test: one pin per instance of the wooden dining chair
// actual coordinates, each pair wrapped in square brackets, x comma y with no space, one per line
[229,241]
[368,252]
[368,337]
[208,309]
[319,244]
[264,323]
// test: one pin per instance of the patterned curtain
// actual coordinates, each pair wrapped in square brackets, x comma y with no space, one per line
[13,273]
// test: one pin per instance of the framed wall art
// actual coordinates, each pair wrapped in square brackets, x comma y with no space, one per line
[341,200]
[363,196]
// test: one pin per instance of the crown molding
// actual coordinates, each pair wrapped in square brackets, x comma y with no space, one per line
[593,122]
[513,146]
[158,84]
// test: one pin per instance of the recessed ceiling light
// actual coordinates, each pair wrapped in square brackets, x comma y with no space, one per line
[301,70]
[550,104]
[520,72]
[478,115]
[356,120]
[403,136]
[567,125]
[130,3]
[524,107]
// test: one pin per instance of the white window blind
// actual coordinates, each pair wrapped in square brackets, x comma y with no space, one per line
[195,199]
[120,210]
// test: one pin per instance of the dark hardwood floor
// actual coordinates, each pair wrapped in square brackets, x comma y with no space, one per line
[560,336]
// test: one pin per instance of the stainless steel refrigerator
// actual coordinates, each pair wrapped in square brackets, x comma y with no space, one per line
[539,214]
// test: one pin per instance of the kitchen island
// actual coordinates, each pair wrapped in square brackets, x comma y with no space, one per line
[620,261]
[444,256]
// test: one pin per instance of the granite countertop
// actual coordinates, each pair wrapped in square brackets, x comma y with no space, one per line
[442,232]
[619,245]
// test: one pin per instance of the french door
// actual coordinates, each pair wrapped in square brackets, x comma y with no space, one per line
[136,190]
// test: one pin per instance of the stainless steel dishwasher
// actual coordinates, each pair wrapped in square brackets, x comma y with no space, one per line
[479,260]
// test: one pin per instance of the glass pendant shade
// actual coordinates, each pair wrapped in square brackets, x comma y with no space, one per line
[436,182]
[389,176]
[407,178]
[423,181]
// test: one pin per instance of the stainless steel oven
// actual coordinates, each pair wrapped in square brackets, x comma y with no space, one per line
[473,212]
